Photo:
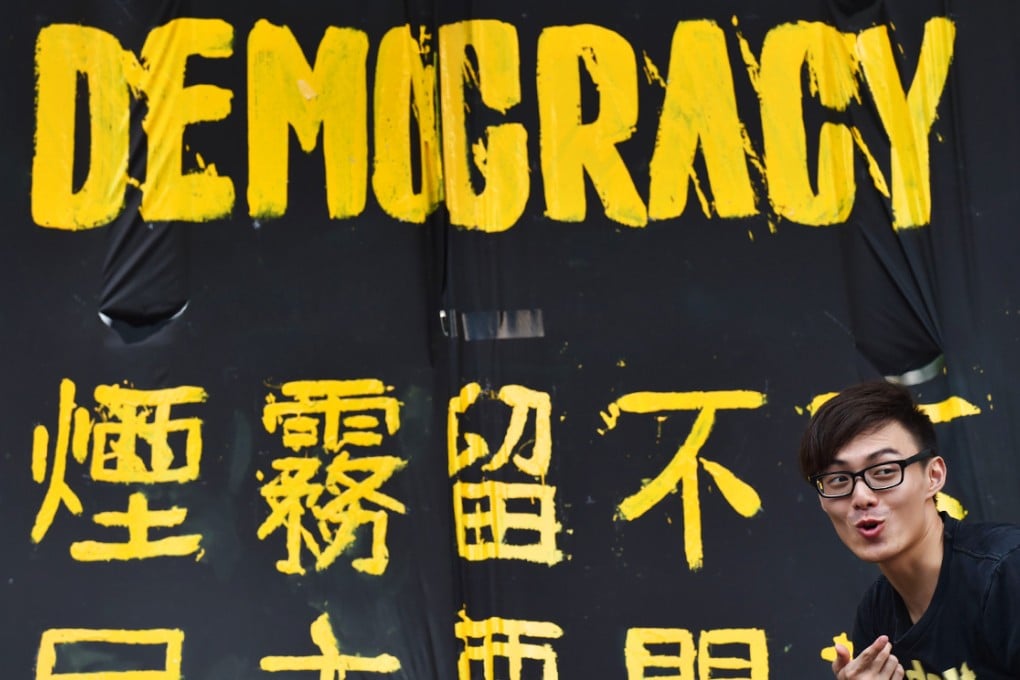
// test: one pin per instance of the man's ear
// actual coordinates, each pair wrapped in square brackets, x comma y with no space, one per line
[935,473]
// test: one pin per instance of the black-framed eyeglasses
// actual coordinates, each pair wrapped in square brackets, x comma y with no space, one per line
[878,477]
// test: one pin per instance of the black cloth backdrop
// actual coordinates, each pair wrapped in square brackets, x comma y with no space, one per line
[586,312]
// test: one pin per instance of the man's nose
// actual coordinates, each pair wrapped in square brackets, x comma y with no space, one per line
[862,495]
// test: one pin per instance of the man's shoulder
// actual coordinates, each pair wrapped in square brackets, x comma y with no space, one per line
[985,540]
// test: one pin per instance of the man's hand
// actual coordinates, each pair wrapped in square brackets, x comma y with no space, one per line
[874,663]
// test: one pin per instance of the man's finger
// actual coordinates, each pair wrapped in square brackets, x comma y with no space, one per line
[842,658]
[874,649]
[875,657]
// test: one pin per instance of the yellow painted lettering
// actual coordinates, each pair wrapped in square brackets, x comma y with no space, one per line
[951,506]
[950,408]
[700,108]
[755,663]
[570,148]
[829,653]
[475,447]
[671,652]
[169,193]
[138,519]
[654,402]
[515,535]
[128,426]
[738,493]
[495,638]
[62,52]
[170,641]
[330,663]
[502,159]
[907,119]
[828,55]
[681,473]
[404,85]
[649,652]
[285,92]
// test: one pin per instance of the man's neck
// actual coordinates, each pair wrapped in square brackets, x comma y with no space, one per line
[915,574]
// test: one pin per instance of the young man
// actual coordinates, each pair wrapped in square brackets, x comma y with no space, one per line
[947,603]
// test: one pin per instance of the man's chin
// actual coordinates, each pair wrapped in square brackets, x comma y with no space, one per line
[875,554]
[866,551]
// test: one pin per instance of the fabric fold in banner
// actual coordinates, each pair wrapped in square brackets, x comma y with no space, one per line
[920,375]
[145,277]
[891,317]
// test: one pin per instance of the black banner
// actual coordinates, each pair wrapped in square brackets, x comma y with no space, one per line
[450,340]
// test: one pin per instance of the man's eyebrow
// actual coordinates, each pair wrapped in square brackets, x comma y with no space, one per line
[870,457]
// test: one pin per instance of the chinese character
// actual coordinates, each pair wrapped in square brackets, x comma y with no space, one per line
[171,640]
[322,504]
[331,662]
[676,653]
[344,408]
[128,419]
[502,639]
[486,526]
[639,657]
[682,471]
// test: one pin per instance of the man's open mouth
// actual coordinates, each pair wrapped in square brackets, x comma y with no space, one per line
[869,527]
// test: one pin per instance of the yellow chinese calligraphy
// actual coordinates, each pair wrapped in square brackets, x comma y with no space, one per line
[485,641]
[145,415]
[138,520]
[171,640]
[486,526]
[321,505]
[331,663]
[682,470]
[345,408]
[683,661]
[129,421]
[829,653]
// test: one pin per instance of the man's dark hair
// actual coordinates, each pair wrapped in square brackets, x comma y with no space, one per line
[857,410]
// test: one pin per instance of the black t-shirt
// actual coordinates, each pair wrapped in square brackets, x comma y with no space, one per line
[971,630]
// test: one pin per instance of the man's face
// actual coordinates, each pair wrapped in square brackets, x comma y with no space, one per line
[885,526]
